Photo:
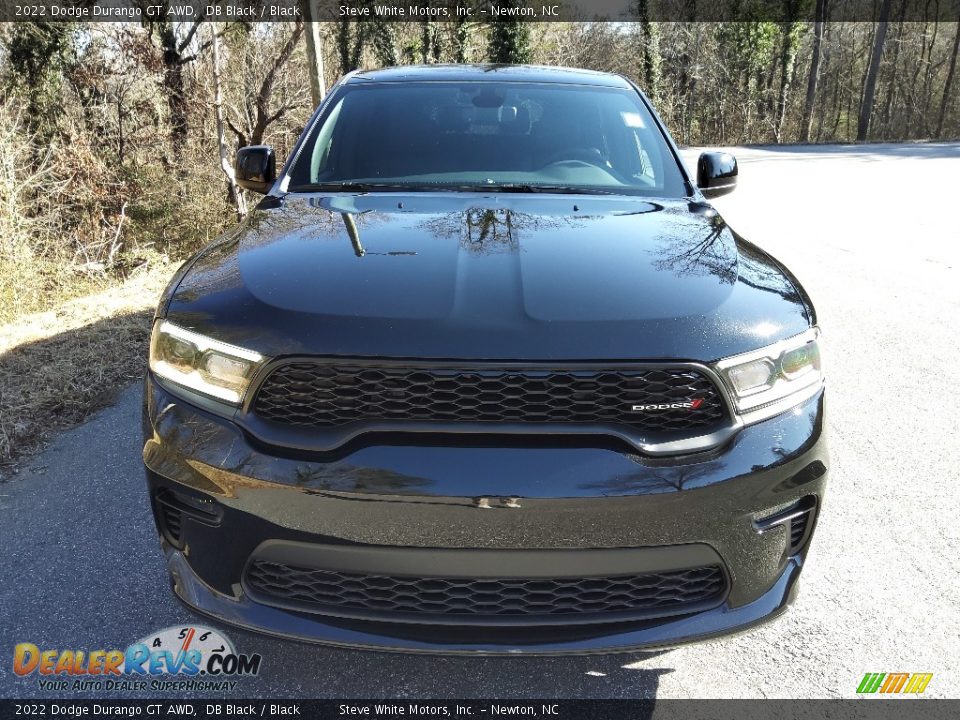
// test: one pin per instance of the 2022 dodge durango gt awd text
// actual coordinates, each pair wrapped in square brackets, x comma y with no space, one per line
[484,371]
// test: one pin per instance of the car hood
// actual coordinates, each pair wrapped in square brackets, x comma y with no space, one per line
[488,276]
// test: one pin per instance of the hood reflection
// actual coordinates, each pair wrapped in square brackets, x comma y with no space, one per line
[685,254]
[350,223]
[480,231]
[487,276]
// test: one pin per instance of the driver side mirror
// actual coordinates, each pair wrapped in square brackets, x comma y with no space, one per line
[256,168]
[716,174]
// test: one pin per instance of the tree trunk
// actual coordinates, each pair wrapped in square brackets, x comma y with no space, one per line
[384,45]
[226,163]
[176,54]
[807,122]
[314,44]
[425,37]
[948,86]
[787,58]
[343,45]
[894,66]
[460,36]
[120,138]
[509,40]
[349,55]
[649,52]
[264,94]
[173,85]
[836,100]
[870,86]
[691,89]
[928,80]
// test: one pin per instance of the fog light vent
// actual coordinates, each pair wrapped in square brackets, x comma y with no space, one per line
[797,520]
[798,530]
[169,518]
[173,508]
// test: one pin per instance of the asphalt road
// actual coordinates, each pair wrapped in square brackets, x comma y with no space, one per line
[872,233]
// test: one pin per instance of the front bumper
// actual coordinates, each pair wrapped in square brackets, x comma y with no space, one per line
[476,505]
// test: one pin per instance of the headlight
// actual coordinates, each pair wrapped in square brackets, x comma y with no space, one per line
[201,363]
[766,382]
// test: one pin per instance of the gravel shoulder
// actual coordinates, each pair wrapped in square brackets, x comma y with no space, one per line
[59,366]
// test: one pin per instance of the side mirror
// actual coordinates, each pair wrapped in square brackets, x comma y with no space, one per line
[256,168]
[716,174]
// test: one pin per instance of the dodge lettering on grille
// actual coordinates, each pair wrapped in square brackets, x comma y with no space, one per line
[683,405]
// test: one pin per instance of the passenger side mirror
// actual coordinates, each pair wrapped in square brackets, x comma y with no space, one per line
[716,174]
[256,168]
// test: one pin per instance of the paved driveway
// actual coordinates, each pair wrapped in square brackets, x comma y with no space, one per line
[872,231]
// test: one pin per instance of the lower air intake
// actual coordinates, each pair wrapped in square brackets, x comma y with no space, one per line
[651,594]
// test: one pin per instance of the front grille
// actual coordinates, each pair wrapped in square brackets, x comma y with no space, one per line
[321,394]
[486,598]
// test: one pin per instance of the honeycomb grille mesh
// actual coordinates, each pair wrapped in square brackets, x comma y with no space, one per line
[321,394]
[636,594]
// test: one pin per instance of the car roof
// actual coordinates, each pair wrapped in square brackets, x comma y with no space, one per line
[477,73]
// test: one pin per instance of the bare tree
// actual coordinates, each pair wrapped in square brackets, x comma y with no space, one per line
[350,41]
[314,44]
[948,85]
[788,55]
[226,163]
[177,54]
[261,115]
[460,36]
[869,87]
[894,67]
[650,51]
[807,121]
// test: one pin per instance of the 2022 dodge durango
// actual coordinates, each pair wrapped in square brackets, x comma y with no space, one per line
[484,371]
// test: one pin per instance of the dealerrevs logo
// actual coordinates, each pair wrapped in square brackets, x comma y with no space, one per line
[180,651]
[679,405]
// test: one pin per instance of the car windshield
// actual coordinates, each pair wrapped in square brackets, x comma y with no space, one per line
[491,136]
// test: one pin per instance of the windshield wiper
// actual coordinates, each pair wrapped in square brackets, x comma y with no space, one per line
[531,188]
[356,187]
[350,186]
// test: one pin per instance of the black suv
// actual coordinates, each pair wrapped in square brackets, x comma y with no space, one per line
[484,371]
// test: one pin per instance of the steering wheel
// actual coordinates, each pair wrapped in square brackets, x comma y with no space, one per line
[587,155]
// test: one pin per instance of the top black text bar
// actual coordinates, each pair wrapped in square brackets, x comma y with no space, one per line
[475,11]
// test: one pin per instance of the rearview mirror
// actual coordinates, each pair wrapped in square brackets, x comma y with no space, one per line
[256,168]
[716,174]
